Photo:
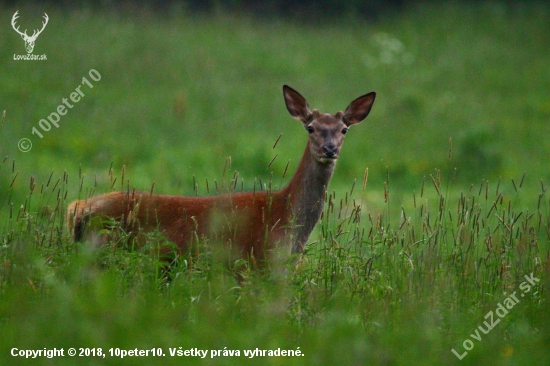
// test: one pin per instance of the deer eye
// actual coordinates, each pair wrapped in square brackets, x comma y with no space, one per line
[310,129]
[344,131]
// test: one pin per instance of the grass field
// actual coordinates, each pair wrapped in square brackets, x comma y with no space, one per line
[425,254]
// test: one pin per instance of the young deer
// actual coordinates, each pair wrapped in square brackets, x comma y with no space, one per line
[252,222]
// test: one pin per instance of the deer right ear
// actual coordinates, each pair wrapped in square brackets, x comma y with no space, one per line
[359,109]
[296,104]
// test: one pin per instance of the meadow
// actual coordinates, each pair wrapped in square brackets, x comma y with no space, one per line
[435,236]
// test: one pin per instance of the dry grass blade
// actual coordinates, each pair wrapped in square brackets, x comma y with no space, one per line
[277,141]
[365,179]
[272,160]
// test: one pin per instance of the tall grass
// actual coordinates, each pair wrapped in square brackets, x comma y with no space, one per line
[418,240]
[376,288]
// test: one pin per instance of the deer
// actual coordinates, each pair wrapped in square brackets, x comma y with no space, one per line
[252,223]
[29,40]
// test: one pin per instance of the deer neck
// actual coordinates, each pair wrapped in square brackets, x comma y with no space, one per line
[306,195]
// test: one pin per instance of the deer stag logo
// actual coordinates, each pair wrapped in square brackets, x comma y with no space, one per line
[29,40]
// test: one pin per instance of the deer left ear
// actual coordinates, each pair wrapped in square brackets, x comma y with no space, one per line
[359,109]
[297,105]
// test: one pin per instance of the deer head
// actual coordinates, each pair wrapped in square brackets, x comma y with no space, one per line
[29,40]
[326,131]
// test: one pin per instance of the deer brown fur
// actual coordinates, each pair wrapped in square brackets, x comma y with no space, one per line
[253,223]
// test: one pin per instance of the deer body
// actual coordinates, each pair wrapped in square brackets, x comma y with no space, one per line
[253,223]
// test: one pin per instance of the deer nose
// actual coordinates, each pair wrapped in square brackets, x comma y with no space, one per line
[329,150]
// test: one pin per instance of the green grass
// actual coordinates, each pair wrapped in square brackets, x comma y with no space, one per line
[368,289]
[402,268]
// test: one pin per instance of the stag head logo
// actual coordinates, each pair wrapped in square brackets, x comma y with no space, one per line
[29,40]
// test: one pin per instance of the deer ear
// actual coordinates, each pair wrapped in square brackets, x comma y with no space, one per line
[359,109]
[296,104]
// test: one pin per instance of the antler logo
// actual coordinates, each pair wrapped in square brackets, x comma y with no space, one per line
[29,40]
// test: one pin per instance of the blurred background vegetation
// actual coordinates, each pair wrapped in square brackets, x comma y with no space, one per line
[186,84]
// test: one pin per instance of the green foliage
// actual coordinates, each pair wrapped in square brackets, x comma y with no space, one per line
[477,156]
[178,95]
[368,284]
